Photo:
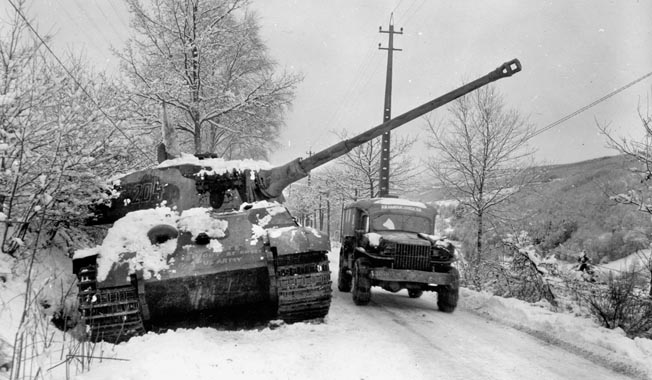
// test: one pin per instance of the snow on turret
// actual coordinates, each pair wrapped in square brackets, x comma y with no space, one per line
[215,165]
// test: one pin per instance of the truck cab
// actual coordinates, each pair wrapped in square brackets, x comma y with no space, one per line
[390,243]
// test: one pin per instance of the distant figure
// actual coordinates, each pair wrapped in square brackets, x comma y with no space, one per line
[584,261]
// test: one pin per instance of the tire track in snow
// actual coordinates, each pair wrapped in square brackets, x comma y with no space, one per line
[465,345]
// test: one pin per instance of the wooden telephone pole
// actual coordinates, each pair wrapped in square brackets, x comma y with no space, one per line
[387,114]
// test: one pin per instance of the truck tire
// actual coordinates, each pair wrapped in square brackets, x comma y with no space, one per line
[447,295]
[344,278]
[415,293]
[361,282]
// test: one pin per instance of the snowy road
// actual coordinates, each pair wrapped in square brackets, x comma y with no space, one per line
[394,337]
[463,345]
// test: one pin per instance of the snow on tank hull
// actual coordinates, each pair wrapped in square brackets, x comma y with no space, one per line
[203,262]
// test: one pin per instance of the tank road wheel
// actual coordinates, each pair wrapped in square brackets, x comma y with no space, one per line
[344,278]
[415,293]
[361,282]
[447,295]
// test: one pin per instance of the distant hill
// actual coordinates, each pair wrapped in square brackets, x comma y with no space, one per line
[573,199]
[573,174]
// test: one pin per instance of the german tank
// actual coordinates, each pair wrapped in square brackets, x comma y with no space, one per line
[197,236]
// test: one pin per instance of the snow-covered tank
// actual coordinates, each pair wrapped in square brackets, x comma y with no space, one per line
[197,236]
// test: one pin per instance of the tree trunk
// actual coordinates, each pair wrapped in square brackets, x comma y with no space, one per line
[479,239]
[197,136]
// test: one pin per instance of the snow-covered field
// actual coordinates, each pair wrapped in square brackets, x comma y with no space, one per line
[394,337]
[637,260]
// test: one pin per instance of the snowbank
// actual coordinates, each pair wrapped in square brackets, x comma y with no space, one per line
[579,334]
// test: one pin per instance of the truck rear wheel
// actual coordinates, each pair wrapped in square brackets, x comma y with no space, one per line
[447,295]
[344,278]
[415,293]
[361,282]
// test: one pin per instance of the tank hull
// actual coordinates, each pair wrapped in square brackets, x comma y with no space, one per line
[255,263]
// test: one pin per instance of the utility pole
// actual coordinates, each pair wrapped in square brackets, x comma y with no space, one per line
[387,114]
[309,153]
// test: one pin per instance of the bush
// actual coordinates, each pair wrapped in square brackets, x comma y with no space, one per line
[621,304]
[551,234]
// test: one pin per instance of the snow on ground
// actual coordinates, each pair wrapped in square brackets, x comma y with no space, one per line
[636,260]
[332,349]
[50,279]
[335,349]
[339,348]
[568,330]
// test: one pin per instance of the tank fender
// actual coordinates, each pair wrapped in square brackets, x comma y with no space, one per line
[289,240]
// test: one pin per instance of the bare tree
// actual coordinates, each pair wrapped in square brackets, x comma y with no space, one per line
[481,155]
[638,191]
[357,174]
[205,59]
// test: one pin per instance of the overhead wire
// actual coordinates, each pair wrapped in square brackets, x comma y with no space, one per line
[106,17]
[410,15]
[362,71]
[29,25]
[397,5]
[94,25]
[586,107]
[117,13]
[362,77]
[90,36]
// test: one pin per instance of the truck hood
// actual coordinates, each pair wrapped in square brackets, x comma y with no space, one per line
[402,237]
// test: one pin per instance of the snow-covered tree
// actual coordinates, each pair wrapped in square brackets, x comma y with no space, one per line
[480,155]
[206,60]
[59,138]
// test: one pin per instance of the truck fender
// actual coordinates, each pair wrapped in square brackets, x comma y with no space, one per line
[361,252]
[289,240]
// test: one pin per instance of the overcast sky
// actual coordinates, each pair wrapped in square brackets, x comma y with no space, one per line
[573,53]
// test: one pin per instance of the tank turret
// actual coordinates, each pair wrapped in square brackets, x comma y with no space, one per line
[198,236]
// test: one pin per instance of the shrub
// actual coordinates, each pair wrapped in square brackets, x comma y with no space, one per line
[550,234]
[620,303]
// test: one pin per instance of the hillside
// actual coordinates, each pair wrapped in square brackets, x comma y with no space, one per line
[573,199]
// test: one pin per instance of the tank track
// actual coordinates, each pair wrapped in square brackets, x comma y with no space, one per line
[304,286]
[112,315]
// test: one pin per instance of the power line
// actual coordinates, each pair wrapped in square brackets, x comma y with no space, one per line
[609,95]
[76,81]
[408,17]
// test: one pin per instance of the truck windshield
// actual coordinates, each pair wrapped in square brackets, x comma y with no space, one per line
[400,222]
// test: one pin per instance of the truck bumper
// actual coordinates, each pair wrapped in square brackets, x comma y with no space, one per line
[407,275]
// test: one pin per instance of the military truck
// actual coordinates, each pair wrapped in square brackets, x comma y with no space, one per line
[390,243]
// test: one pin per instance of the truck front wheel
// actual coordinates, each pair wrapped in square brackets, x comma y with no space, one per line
[415,293]
[447,295]
[361,282]
[344,278]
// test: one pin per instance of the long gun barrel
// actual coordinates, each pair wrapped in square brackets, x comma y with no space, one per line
[272,182]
